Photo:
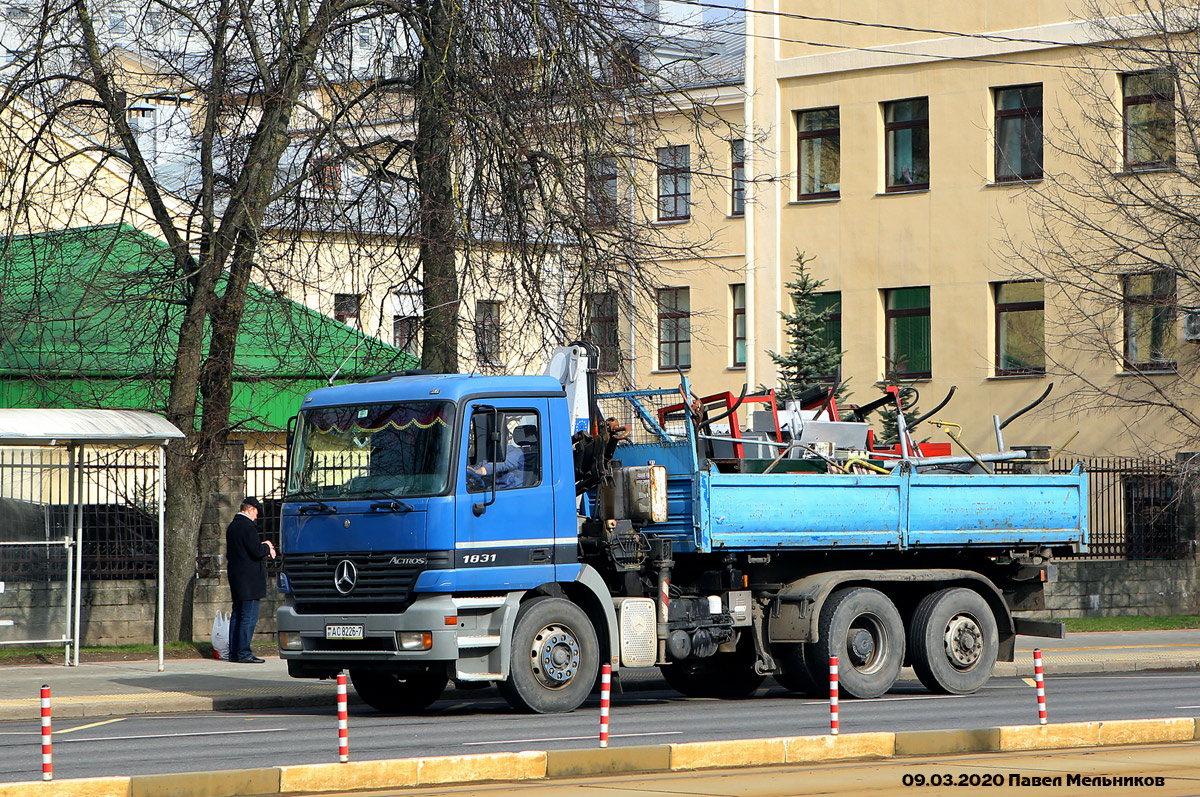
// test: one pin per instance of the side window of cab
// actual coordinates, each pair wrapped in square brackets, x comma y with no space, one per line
[504,446]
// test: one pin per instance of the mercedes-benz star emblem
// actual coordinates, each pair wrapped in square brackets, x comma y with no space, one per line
[345,576]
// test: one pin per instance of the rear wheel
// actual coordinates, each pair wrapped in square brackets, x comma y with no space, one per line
[398,694]
[555,658]
[954,641]
[795,675]
[862,628]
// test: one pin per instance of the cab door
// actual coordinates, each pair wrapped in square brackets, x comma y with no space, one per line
[504,506]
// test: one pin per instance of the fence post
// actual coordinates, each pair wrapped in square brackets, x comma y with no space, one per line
[1188,470]
[1032,452]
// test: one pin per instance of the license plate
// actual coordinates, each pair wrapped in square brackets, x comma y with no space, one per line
[343,632]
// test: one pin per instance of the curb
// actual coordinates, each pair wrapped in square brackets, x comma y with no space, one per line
[688,756]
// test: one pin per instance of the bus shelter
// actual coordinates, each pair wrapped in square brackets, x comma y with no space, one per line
[74,430]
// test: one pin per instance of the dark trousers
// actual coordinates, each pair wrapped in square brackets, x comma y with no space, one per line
[242,620]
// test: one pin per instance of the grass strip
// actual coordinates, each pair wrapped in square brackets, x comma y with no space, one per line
[1169,623]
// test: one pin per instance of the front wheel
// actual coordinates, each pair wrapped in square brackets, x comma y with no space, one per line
[555,658]
[398,694]
[954,641]
[862,628]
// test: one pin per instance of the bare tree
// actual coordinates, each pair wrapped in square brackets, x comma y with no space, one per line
[1114,231]
[439,145]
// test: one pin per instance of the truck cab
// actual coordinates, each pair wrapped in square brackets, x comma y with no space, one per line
[415,509]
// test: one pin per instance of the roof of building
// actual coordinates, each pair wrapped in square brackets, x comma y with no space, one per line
[90,318]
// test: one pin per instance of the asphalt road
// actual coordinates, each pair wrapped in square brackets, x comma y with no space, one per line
[152,744]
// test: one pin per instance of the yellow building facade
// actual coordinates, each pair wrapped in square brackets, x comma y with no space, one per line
[900,155]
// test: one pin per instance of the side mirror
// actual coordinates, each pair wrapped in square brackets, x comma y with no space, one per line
[479,508]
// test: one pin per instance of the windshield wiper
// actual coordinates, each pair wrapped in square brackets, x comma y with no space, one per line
[394,504]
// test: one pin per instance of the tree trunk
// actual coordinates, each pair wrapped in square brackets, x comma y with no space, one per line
[186,492]
[435,178]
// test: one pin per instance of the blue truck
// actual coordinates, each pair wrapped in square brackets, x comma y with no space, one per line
[522,531]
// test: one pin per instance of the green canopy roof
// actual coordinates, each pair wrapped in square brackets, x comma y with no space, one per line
[89,317]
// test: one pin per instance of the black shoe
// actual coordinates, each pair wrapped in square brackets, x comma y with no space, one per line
[251,660]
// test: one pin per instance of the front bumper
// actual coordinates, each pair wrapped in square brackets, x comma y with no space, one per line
[380,642]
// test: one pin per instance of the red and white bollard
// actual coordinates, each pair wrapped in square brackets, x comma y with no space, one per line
[47,755]
[833,695]
[1041,685]
[605,691]
[343,725]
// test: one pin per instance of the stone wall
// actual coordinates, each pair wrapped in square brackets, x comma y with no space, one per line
[1117,587]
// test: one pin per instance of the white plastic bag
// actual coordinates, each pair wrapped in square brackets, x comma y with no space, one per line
[220,636]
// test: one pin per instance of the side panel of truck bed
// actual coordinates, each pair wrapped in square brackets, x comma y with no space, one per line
[750,511]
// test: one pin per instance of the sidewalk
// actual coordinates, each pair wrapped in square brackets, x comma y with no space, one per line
[107,689]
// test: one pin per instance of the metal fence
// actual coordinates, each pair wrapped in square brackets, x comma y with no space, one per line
[1135,507]
[116,493]
[265,479]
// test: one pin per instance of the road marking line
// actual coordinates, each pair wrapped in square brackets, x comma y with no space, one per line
[92,725]
[886,700]
[572,738]
[1187,707]
[169,735]
[1030,681]
[1114,647]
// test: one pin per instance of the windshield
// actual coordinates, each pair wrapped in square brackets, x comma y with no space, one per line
[372,450]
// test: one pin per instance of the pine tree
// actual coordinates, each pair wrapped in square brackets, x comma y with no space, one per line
[888,434]
[811,360]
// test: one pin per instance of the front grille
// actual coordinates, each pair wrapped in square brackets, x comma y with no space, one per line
[380,586]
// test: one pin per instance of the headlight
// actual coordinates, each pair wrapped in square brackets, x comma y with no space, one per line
[416,640]
[290,640]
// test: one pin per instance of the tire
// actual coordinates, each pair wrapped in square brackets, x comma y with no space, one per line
[954,641]
[725,676]
[862,628]
[555,658]
[398,694]
[796,675]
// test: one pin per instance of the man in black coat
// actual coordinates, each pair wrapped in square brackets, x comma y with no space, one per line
[244,555]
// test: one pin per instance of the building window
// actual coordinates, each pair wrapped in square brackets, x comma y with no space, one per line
[602,191]
[674,328]
[1150,321]
[1020,328]
[819,144]
[737,168]
[1149,120]
[346,307]
[116,23]
[405,330]
[739,324]
[1019,133]
[908,347]
[831,331]
[602,329]
[326,176]
[906,129]
[674,183]
[487,333]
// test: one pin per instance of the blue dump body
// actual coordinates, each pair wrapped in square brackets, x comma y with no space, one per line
[712,511]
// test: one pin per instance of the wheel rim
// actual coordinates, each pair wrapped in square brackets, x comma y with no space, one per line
[963,641]
[554,656]
[866,643]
